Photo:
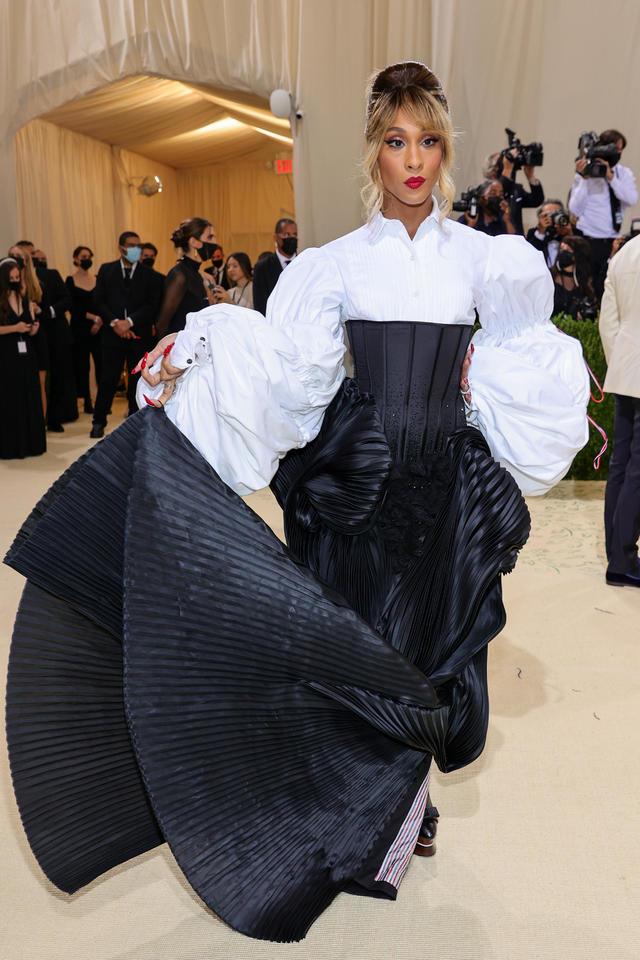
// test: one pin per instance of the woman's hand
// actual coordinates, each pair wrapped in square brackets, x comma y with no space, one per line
[220,295]
[464,376]
[22,327]
[168,374]
[34,327]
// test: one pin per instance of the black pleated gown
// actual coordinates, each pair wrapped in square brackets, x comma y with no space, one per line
[271,712]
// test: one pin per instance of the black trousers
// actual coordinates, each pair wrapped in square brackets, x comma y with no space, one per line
[83,348]
[622,495]
[600,253]
[115,353]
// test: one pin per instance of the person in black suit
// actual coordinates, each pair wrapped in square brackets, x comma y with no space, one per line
[267,271]
[56,301]
[547,235]
[148,260]
[218,271]
[501,166]
[127,298]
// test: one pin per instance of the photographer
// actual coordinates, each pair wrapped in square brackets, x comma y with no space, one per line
[553,225]
[503,166]
[602,189]
[494,214]
[573,290]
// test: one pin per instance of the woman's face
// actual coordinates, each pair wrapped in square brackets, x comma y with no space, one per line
[18,254]
[409,161]
[14,276]
[84,254]
[235,272]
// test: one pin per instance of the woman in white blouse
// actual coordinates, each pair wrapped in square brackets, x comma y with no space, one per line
[283,705]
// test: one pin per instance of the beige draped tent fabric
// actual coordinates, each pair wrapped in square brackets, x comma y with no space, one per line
[73,189]
[547,68]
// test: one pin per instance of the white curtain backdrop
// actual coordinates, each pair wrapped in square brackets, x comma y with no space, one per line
[547,68]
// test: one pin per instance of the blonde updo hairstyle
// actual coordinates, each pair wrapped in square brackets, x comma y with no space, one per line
[411,87]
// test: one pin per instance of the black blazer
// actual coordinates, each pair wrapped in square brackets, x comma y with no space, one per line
[538,244]
[54,292]
[139,299]
[265,277]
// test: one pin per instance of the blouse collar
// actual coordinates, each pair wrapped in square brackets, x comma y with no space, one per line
[381,224]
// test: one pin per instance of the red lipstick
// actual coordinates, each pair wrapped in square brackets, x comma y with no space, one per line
[414,182]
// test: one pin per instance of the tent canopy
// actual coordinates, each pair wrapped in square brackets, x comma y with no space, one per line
[177,124]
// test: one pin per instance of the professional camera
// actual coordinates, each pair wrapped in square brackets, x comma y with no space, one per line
[559,218]
[586,308]
[634,231]
[468,202]
[590,147]
[527,155]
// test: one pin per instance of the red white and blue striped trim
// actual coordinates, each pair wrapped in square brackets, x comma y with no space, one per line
[397,859]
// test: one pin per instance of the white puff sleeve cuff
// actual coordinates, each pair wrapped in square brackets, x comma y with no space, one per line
[255,388]
[529,382]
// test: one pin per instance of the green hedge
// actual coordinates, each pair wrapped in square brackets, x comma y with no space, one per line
[586,331]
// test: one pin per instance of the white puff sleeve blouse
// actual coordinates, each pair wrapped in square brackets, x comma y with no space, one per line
[529,381]
[256,387]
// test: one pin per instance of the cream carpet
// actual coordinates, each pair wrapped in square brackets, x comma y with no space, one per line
[539,840]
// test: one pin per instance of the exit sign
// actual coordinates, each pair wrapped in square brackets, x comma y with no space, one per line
[284,166]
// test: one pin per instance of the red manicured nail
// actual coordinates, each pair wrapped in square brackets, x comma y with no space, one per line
[167,350]
[143,362]
[472,348]
[150,402]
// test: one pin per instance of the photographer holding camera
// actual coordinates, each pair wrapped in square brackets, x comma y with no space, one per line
[493,213]
[602,189]
[553,225]
[504,165]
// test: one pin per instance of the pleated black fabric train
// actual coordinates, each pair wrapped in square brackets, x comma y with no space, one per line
[207,684]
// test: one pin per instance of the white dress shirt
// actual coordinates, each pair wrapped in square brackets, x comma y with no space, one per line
[284,261]
[590,201]
[257,387]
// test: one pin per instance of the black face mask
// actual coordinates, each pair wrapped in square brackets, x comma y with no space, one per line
[218,263]
[289,246]
[40,265]
[565,259]
[14,284]
[148,261]
[493,205]
[86,263]
[19,261]
[206,250]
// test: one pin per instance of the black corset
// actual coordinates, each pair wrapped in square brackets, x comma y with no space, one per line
[413,371]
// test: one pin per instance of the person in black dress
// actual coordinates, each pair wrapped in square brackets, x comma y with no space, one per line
[30,287]
[573,287]
[85,324]
[126,298]
[185,290]
[22,427]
